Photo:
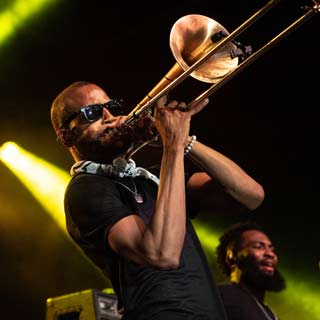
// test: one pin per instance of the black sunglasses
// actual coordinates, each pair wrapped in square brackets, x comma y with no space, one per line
[93,112]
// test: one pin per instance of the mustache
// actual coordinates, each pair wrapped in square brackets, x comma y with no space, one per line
[118,131]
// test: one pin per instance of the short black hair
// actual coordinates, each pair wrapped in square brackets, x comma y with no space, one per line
[232,238]
[59,111]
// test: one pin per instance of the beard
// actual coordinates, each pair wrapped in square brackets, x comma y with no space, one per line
[102,147]
[253,276]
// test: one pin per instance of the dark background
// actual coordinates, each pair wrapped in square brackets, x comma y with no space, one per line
[266,119]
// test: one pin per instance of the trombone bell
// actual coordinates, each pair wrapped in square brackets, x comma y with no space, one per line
[191,38]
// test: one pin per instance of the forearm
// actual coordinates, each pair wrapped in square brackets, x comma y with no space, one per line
[228,175]
[166,232]
[159,242]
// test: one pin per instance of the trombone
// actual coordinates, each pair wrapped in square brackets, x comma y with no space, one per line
[205,50]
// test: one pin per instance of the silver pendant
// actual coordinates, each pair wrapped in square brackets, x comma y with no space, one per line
[138,198]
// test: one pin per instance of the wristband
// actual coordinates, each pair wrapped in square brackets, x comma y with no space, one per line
[188,148]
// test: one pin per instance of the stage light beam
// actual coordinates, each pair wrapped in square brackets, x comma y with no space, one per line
[45,181]
[17,14]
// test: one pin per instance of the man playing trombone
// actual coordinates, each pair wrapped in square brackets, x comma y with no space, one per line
[134,225]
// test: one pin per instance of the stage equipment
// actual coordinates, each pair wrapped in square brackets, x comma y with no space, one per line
[89,304]
[205,50]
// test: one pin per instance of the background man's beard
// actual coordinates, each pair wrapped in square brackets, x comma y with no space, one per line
[256,278]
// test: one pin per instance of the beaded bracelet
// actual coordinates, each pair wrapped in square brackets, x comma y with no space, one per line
[190,145]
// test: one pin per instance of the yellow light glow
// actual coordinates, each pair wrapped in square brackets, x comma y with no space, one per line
[18,12]
[45,181]
[209,238]
[302,294]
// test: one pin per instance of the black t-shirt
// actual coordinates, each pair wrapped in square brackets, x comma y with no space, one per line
[240,305]
[93,204]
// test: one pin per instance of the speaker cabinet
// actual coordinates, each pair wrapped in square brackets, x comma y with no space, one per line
[89,304]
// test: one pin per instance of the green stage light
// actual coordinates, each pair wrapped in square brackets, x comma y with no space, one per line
[302,294]
[17,13]
[45,181]
[209,238]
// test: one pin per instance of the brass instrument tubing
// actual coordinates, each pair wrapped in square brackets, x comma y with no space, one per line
[134,115]
[258,53]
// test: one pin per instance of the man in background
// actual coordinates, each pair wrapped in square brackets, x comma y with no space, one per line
[247,257]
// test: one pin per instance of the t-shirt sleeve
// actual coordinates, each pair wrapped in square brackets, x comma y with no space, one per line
[93,205]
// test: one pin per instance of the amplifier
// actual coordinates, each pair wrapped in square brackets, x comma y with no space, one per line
[89,304]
